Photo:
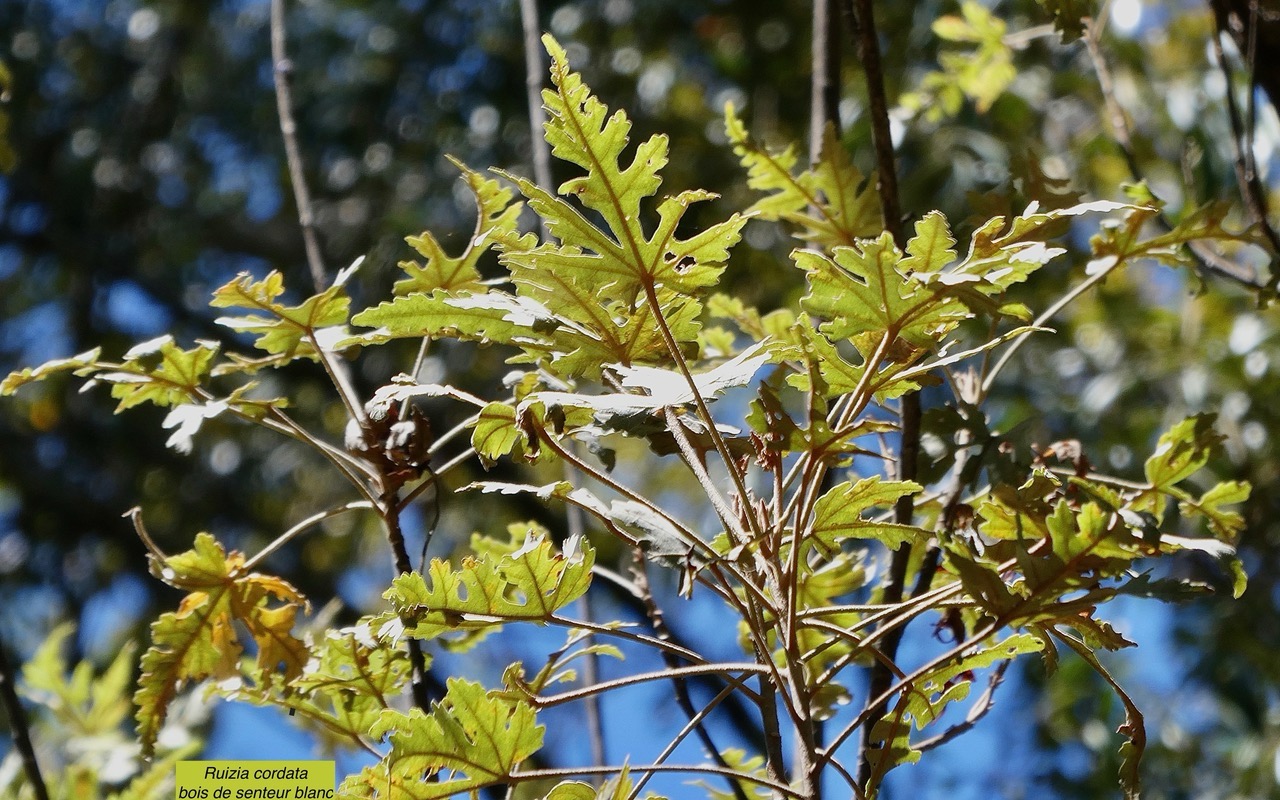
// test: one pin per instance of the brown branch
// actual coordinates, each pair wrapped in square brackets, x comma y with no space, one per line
[824,79]
[19,728]
[417,659]
[861,17]
[283,72]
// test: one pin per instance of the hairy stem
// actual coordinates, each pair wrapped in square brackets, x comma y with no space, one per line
[417,659]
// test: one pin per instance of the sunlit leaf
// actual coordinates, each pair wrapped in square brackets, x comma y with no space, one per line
[199,640]
[470,739]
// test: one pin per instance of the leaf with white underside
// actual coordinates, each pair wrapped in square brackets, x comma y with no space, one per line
[284,332]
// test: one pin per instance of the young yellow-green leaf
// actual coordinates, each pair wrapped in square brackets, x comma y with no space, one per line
[497,217]
[831,203]
[199,640]
[1225,524]
[1181,451]
[837,515]
[283,331]
[864,290]
[160,372]
[1123,239]
[22,377]
[580,130]
[479,738]
[82,704]
[981,73]
[495,434]
[529,584]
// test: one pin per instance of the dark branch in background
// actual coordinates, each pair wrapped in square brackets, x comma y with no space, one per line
[18,727]
[1251,188]
[639,573]
[282,70]
[541,153]
[861,18]
[534,70]
[1208,261]
[824,85]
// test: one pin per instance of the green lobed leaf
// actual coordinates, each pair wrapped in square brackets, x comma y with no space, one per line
[159,372]
[1182,451]
[20,378]
[497,218]
[831,203]
[528,584]
[470,738]
[286,332]
[864,289]
[837,514]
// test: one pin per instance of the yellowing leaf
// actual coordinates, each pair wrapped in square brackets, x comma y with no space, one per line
[199,640]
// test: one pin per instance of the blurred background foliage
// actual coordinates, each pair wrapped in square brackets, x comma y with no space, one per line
[147,169]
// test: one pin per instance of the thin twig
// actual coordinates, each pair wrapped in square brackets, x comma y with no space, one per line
[135,516]
[546,701]
[776,786]
[1207,261]
[283,73]
[19,728]
[1049,313]
[658,621]
[284,538]
[694,724]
